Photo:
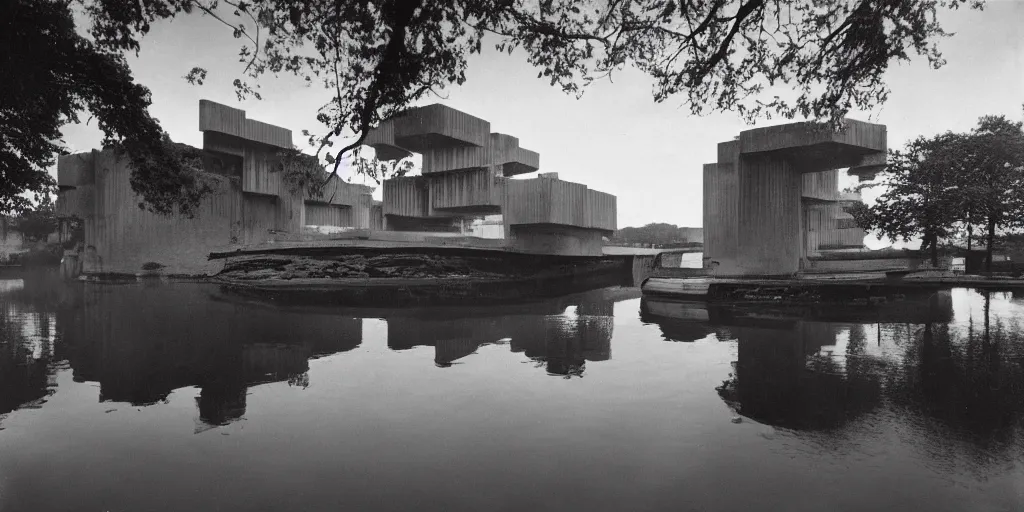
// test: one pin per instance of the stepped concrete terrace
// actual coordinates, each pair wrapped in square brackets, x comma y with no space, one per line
[468,173]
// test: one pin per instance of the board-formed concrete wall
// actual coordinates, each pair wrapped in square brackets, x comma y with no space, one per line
[252,201]
[121,237]
[772,197]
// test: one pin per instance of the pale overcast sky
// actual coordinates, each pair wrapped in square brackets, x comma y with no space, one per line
[615,139]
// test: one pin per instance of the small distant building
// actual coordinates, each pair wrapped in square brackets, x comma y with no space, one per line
[252,202]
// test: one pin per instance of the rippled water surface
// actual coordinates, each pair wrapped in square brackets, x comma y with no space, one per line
[153,397]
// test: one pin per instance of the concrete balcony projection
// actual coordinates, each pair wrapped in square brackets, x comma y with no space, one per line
[450,140]
[382,140]
[771,199]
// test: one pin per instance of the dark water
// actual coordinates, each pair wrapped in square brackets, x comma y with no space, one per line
[152,397]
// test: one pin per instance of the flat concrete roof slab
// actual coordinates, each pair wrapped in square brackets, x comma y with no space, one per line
[215,117]
[855,136]
[438,126]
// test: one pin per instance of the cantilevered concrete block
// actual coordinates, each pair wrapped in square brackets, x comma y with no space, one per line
[437,126]
[465,174]
[542,201]
[812,147]
[868,166]
[769,199]
[406,197]
[76,170]
[215,117]
[474,192]
[820,186]
[382,140]
[339,193]
[501,151]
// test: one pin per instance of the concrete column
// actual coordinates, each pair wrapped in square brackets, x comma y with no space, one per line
[768,224]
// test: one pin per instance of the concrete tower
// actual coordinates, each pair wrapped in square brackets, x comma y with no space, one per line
[773,194]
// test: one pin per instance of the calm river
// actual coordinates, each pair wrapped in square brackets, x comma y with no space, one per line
[177,397]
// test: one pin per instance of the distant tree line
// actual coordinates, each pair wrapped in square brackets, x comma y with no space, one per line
[953,186]
[658,233]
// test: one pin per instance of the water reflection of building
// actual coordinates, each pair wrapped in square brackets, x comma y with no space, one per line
[142,342]
[563,333]
[797,367]
[959,376]
[688,321]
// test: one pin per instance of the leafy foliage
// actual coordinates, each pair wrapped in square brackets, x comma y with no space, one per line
[168,175]
[50,74]
[937,186]
[378,58]
[301,172]
[35,225]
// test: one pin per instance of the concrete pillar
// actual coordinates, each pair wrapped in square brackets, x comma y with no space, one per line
[768,233]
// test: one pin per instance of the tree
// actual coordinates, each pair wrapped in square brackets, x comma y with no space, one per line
[923,196]
[990,162]
[937,184]
[35,225]
[378,58]
[50,75]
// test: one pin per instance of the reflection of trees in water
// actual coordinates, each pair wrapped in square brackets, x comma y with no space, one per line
[781,380]
[143,341]
[29,351]
[955,384]
[27,363]
[969,382]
